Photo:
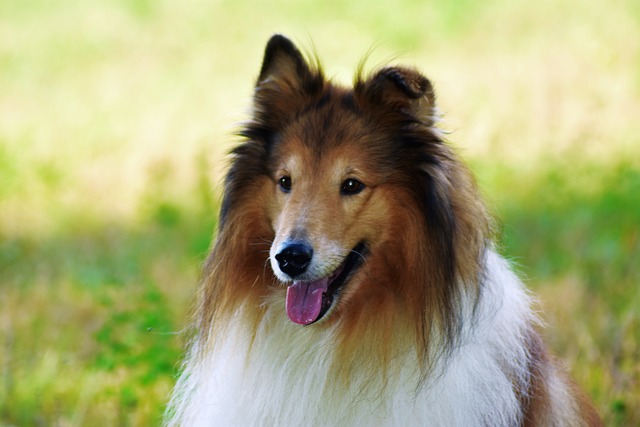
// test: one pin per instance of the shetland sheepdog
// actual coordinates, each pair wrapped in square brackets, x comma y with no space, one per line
[353,280]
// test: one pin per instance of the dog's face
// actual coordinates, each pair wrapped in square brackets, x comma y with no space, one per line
[321,205]
[354,188]
[337,198]
[327,211]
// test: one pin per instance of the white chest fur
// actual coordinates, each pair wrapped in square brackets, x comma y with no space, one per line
[279,377]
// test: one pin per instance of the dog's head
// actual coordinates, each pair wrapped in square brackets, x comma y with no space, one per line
[361,199]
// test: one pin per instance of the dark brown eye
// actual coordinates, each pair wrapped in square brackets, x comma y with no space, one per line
[285,183]
[351,186]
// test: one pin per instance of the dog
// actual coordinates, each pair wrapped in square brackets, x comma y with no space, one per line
[354,280]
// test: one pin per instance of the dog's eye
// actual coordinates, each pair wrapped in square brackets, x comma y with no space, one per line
[351,186]
[285,183]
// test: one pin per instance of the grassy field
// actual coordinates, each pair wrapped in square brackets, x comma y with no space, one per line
[115,117]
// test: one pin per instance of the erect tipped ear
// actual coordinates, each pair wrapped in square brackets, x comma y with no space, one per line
[403,89]
[282,60]
[286,81]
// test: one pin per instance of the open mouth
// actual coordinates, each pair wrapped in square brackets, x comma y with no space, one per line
[308,302]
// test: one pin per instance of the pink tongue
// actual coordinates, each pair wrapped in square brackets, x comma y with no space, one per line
[304,300]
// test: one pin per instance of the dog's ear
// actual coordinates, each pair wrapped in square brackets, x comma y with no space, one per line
[401,89]
[283,63]
[286,82]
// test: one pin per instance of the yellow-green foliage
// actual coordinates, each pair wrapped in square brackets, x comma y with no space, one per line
[115,115]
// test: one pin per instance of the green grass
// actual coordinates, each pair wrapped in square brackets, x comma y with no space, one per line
[115,115]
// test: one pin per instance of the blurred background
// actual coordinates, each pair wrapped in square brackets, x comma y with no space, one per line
[115,116]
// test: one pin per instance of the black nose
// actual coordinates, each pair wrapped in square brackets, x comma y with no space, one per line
[294,259]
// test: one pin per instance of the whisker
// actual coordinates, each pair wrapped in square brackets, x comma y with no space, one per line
[361,255]
[259,243]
